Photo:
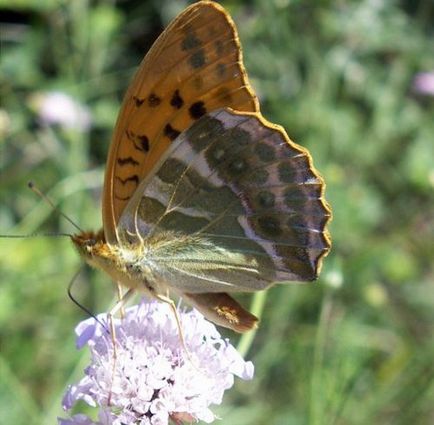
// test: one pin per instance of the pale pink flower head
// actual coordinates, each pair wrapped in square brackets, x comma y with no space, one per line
[423,83]
[58,108]
[154,380]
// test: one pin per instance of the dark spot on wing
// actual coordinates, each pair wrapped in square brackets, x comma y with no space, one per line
[266,199]
[294,193]
[286,172]
[171,170]
[237,166]
[129,160]
[265,152]
[301,254]
[150,210]
[143,142]
[204,131]
[239,137]
[140,142]
[218,154]
[171,132]
[190,41]
[177,100]
[298,261]
[153,100]
[270,226]
[197,59]
[134,178]
[122,198]
[138,101]
[197,109]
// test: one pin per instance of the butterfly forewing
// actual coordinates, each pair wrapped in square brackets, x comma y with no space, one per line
[202,196]
[193,68]
[248,196]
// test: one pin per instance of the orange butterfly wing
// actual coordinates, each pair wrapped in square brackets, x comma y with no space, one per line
[194,67]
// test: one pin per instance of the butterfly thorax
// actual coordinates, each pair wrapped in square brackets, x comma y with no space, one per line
[123,263]
[166,259]
[140,263]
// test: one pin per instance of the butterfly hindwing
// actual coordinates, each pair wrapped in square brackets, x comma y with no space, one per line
[194,67]
[248,198]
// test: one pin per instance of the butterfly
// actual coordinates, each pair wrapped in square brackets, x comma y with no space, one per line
[202,196]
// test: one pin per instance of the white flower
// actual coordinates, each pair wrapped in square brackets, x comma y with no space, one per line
[57,108]
[423,83]
[154,379]
[77,420]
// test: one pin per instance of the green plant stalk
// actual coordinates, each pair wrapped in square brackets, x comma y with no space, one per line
[257,307]
[316,415]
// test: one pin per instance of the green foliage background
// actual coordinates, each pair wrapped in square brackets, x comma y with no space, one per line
[356,347]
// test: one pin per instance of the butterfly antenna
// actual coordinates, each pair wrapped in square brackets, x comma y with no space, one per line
[80,306]
[36,235]
[32,187]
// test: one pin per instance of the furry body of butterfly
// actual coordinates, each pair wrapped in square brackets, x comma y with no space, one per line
[145,266]
[203,196]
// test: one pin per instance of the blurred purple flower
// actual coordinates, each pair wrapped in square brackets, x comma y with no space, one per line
[423,83]
[154,380]
[57,108]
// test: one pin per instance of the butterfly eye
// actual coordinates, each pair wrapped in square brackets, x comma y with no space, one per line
[132,268]
[89,244]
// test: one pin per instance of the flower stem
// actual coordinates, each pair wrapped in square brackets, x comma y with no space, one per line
[256,308]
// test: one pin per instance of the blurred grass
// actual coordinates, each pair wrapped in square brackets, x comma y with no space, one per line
[357,347]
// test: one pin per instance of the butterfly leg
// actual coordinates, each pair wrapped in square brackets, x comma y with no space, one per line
[166,299]
[118,306]
[120,296]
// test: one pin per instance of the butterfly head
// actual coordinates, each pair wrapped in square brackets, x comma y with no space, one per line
[91,245]
[122,263]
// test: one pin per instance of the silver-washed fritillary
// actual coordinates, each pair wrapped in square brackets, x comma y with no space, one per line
[203,196]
